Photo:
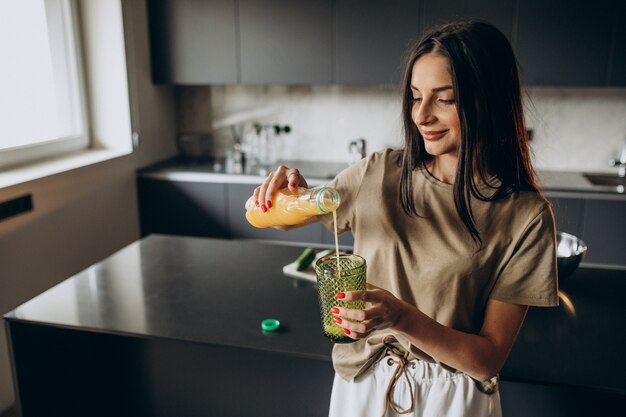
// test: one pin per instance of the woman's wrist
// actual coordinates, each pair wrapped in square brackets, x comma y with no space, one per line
[407,322]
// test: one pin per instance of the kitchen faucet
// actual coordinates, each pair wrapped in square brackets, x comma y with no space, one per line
[358,149]
[621,162]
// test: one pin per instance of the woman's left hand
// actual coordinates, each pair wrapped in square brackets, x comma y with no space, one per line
[383,311]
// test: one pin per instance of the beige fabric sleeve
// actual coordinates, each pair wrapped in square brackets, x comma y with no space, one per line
[529,276]
[347,183]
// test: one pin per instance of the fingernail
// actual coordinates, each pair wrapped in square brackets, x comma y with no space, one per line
[334,310]
[341,295]
[346,331]
[263,208]
[337,320]
[256,202]
[292,184]
[269,204]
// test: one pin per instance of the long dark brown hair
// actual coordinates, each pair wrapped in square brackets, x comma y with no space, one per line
[487,90]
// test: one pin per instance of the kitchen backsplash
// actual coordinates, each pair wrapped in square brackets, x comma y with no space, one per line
[574,129]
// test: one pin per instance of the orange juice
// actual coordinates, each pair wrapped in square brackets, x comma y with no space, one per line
[293,207]
[336,243]
[349,274]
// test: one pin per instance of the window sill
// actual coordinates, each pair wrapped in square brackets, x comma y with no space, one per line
[45,168]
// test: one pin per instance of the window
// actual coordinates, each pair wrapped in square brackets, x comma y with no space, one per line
[42,99]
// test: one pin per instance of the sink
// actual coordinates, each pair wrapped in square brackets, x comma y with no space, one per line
[605,179]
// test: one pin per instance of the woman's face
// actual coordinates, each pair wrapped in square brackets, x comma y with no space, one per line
[433,109]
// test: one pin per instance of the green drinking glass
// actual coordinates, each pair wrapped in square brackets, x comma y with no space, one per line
[350,276]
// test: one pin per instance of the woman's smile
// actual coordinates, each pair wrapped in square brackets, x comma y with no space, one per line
[432,135]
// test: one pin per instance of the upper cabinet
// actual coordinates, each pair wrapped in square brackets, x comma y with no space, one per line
[193,41]
[617,72]
[286,41]
[497,12]
[557,42]
[371,38]
[564,42]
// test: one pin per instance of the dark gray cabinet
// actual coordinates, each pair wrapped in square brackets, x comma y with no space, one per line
[617,74]
[182,208]
[604,231]
[564,43]
[210,210]
[194,41]
[558,42]
[497,12]
[286,41]
[599,221]
[371,39]
[217,210]
[239,227]
[522,400]
[568,214]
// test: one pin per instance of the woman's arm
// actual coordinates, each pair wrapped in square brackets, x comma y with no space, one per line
[481,356]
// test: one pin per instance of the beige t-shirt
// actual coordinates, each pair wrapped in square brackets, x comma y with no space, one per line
[431,261]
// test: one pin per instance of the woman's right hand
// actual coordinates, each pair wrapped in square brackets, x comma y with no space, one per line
[281,178]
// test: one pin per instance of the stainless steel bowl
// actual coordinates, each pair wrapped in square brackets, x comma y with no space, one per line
[569,252]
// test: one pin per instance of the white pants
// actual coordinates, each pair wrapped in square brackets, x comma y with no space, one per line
[436,392]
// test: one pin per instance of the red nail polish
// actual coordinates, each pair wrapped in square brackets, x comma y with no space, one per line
[337,320]
[341,295]
[263,208]
[334,310]
[269,204]
[346,331]
[292,184]
[256,202]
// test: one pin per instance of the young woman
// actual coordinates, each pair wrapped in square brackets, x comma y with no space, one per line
[456,234]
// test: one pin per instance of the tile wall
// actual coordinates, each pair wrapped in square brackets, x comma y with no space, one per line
[574,129]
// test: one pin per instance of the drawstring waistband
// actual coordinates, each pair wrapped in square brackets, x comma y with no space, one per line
[400,359]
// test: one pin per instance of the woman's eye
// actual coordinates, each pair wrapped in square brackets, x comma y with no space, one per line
[446,101]
[416,99]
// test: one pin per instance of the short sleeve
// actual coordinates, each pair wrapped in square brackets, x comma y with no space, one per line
[347,183]
[529,276]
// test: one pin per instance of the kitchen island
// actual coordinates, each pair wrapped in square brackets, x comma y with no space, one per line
[172,326]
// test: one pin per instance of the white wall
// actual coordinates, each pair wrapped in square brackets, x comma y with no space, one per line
[575,129]
[86,214]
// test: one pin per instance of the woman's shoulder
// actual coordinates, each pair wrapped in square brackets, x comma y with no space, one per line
[374,164]
[386,157]
[529,204]
[533,198]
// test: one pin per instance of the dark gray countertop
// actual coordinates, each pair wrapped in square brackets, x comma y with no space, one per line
[179,169]
[319,172]
[215,291]
[189,289]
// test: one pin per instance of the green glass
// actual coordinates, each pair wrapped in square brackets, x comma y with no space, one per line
[351,277]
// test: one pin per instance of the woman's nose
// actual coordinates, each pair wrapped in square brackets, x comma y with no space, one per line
[422,114]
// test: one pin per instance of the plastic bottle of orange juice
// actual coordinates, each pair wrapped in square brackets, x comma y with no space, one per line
[293,207]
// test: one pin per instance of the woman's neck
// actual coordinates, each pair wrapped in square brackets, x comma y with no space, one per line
[443,167]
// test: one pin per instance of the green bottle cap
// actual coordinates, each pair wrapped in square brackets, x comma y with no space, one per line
[270,325]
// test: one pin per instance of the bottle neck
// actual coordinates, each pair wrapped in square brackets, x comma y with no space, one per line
[326,199]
